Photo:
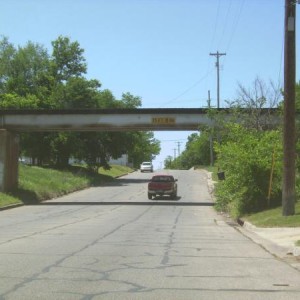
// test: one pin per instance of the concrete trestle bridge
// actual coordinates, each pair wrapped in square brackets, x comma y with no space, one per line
[12,122]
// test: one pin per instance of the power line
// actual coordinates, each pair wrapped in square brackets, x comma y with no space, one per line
[235,24]
[191,87]
[225,23]
[215,27]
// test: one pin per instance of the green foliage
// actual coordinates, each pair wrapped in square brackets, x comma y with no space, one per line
[49,183]
[168,162]
[197,152]
[78,92]
[26,68]
[130,101]
[31,78]
[7,200]
[37,184]
[246,158]
[67,59]
[273,218]
[115,171]
[8,101]
[142,146]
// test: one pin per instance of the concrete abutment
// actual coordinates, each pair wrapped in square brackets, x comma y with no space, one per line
[9,155]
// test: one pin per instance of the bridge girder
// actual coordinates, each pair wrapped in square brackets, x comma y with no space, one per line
[143,119]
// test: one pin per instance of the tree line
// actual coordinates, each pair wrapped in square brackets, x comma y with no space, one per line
[247,149]
[33,78]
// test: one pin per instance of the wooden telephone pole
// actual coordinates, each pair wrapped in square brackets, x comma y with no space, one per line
[289,131]
[211,148]
[218,54]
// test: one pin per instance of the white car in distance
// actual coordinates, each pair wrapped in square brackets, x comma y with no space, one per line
[146,166]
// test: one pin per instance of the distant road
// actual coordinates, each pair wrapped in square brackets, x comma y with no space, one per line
[111,242]
[192,189]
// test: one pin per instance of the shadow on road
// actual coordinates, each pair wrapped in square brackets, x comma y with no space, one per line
[164,202]
[166,198]
[126,181]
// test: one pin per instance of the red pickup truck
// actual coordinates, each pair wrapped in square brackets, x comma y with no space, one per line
[162,185]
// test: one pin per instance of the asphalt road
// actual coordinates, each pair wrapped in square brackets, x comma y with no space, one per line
[111,242]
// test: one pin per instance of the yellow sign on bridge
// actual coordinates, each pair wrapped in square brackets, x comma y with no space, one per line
[163,120]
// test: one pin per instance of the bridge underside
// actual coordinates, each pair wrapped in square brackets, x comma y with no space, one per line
[104,120]
[151,119]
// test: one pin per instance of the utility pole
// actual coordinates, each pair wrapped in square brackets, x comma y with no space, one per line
[218,54]
[289,131]
[208,100]
[178,147]
[210,134]
[174,153]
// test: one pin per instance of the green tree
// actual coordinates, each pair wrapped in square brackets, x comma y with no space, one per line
[77,92]
[25,70]
[67,59]
[30,78]
[246,157]
[168,162]
[197,152]
[130,101]
[142,146]
[37,146]
[7,53]
[106,99]
[29,67]
[14,101]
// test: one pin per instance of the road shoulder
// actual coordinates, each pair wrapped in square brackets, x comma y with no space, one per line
[280,242]
[277,241]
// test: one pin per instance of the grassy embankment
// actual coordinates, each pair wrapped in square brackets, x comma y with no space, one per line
[270,217]
[37,184]
[273,218]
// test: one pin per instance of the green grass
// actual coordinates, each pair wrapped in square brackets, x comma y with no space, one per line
[267,218]
[212,169]
[115,171]
[6,200]
[274,218]
[37,184]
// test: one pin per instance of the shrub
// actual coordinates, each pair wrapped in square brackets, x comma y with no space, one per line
[246,156]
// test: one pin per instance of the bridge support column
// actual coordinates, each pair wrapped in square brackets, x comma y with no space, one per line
[9,155]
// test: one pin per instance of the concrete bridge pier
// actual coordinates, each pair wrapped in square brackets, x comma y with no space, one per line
[9,156]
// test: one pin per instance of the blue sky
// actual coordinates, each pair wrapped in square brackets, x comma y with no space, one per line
[159,49]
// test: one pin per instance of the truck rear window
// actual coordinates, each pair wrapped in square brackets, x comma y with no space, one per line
[163,179]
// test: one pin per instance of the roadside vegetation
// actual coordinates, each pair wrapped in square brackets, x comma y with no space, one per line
[32,77]
[273,218]
[37,184]
[248,152]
